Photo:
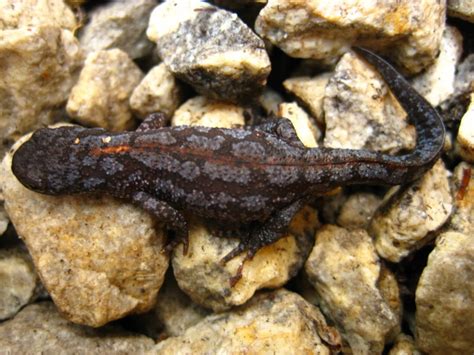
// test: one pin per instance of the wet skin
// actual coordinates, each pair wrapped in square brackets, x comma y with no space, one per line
[257,176]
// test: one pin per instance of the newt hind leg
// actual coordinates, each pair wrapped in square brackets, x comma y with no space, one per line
[153,121]
[268,233]
[283,128]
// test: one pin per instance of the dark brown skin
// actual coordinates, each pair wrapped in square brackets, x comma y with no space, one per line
[257,176]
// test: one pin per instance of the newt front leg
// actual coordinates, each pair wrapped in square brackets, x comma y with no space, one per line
[163,212]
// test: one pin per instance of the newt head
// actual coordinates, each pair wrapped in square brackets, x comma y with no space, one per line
[43,163]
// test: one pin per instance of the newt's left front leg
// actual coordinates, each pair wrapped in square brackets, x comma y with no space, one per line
[268,233]
[165,213]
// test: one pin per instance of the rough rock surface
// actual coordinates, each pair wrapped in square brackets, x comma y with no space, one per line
[269,101]
[360,111]
[358,209]
[101,96]
[445,297]
[305,127]
[40,329]
[18,281]
[211,49]
[38,67]
[119,24]
[158,91]
[465,137]
[202,277]
[175,310]
[404,345]
[31,13]
[332,204]
[410,30]
[356,291]
[463,217]
[4,220]
[436,84]
[408,216]
[201,111]
[461,8]
[310,91]
[99,258]
[272,322]
[464,76]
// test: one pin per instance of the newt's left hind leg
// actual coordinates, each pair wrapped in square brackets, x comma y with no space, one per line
[153,121]
[268,233]
[281,127]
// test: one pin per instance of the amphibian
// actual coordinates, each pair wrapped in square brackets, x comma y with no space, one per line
[258,176]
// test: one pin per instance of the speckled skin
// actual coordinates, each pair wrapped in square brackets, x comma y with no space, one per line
[234,176]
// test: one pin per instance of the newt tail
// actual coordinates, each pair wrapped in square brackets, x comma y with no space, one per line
[428,123]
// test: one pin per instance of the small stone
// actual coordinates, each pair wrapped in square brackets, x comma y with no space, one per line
[38,67]
[356,291]
[305,127]
[445,297]
[461,8]
[310,91]
[173,313]
[361,112]
[119,24]
[99,258]
[410,31]
[101,96]
[404,345]
[427,21]
[157,92]
[16,14]
[409,216]
[211,49]
[201,111]
[465,137]
[464,76]
[269,100]
[463,195]
[436,84]
[18,281]
[175,310]
[202,277]
[272,322]
[4,220]
[40,329]
[358,209]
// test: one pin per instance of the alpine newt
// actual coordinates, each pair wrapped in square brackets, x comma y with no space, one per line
[258,176]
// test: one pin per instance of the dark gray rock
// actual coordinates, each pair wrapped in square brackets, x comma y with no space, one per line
[119,24]
[211,49]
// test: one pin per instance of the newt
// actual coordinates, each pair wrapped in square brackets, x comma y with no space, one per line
[257,176]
